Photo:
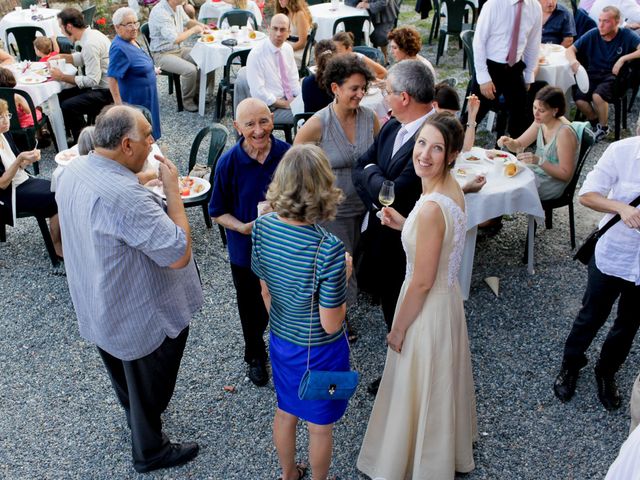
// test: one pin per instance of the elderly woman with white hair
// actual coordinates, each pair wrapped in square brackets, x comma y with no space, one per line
[132,76]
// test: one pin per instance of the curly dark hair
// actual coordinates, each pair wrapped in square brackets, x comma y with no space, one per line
[341,67]
[408,40]
[324,51]
[452,132]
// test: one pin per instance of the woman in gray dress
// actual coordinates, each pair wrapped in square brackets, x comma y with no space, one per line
[344,130]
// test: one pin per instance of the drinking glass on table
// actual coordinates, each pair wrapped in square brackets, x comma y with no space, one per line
[386,195]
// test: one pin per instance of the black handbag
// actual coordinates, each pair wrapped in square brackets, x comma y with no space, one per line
[585,251]
[326,384]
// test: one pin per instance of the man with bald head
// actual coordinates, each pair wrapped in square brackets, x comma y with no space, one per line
[242,177]
[272,72]
[132,278]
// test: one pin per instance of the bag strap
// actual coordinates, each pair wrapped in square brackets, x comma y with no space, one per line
[313,286]
[616,218]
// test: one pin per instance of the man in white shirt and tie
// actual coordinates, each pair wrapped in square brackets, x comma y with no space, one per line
[272,73]
[506,44]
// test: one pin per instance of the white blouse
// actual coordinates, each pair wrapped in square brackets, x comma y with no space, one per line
[8,159]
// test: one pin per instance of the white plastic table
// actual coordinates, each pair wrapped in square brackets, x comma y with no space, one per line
[211,56]
[46,92]
[501,195]
[211,9]
[22,18]
[325,16]
[555,70]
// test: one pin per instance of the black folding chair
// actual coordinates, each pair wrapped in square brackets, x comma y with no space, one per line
[25,137]
[44,230]
[239,18]
[174,78]
[355,25]
[89,13]
[22,46]
[306,53]
[218,140]
[454,26]
[237,59]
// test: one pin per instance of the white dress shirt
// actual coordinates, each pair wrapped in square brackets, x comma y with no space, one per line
[627,465]
[492,37]
[263,72]
[629,9]
[617,176]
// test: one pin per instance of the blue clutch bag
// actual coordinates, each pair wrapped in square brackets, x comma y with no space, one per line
[327,385]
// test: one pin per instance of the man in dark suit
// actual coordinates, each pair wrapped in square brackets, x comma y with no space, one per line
[409,93]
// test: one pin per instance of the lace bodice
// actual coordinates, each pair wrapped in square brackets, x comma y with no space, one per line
[452,244]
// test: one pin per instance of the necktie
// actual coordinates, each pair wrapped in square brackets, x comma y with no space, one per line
[515,33]
[283,76]
[399,141]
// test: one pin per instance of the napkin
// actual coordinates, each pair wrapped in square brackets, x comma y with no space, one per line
[511,168]
[494,284]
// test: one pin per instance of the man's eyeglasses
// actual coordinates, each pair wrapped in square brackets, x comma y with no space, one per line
[8,116]
[131,25]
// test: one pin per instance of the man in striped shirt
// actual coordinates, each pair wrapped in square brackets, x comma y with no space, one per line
[133,281]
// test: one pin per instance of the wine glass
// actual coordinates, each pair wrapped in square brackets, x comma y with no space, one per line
[386,195]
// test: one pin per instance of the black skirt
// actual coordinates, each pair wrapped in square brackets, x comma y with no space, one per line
[35,196]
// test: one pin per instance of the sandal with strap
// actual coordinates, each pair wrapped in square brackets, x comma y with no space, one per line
[302,471]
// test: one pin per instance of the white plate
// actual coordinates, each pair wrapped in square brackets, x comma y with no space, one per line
[467,171]
[31,79]
[197,182]
[582,79]
[65,157]
[202,40]
[504,156]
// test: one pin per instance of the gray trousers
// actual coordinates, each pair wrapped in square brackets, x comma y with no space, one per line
[179,61]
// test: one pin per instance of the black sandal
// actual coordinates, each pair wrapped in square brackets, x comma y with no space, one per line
[302,471]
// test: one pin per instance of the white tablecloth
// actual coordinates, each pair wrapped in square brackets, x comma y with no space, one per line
[325,17]
[211,56]
[500,196]
[23,18]
[556,71]
[374,101]
[211,9]
[47,92]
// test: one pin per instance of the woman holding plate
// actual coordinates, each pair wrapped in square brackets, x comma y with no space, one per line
[132,75]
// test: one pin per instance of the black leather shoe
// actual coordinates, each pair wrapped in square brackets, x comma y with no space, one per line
[258,372]
[565,385]
[608,390]
[178,454]
[373,386]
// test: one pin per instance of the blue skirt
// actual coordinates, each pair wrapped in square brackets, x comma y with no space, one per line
[289,362]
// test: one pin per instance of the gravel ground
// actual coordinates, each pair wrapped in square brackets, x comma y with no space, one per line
[59,417]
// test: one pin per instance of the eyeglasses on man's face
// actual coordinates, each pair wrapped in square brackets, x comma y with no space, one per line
[6,116]
[130,25]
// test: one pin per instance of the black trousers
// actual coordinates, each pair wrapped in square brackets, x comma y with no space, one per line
[144,388]
[602,292]
[76,102]
[509,83]
[253,314]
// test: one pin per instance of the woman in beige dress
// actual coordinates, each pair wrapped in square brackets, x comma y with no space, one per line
[423,421]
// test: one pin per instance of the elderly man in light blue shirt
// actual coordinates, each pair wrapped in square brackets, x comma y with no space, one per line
[131,275]
[167,32]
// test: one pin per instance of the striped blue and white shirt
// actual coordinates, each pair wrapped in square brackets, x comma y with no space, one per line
[118,244]
[283,256]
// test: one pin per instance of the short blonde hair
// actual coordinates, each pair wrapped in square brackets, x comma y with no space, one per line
[303,186]
[4,107]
